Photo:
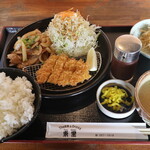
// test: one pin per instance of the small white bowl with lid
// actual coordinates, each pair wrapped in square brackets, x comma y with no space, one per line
[109,112]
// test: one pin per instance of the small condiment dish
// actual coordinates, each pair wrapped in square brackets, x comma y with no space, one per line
[121,85]
[136,31]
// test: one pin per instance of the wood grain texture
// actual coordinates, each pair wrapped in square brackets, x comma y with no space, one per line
[58,146]
[101,12]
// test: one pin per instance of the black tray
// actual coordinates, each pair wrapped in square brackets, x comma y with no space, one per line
[85,111]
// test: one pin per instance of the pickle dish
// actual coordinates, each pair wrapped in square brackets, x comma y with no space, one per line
[115,98]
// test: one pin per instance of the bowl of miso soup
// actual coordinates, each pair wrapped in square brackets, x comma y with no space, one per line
[142,96]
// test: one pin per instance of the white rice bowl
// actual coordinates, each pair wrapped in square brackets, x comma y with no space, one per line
[16,104]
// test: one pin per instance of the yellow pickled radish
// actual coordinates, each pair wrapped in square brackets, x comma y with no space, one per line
[92,60]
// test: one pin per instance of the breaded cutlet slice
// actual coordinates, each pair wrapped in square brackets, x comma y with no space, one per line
[80,74]
[58,68]
[67,72]
[46,69]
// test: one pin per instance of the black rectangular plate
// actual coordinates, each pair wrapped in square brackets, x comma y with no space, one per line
[87,112]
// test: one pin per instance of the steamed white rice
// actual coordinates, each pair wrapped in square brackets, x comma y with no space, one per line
[16,104]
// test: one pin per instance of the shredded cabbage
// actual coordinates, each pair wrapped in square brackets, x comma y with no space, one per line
[72,34]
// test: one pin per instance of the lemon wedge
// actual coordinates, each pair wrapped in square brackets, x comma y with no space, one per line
[92,60]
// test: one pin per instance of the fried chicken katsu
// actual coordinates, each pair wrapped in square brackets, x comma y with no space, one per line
[62,70]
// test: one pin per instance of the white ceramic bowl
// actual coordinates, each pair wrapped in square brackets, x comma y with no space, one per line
[136,31]
[119,83]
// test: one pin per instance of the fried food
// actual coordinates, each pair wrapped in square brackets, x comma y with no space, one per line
[46,70]
[80,74]
[68,70]
[62,70]
[58,68]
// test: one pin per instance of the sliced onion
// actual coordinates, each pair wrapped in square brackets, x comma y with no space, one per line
[24,52]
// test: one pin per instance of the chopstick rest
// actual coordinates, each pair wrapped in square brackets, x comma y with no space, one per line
[70,130]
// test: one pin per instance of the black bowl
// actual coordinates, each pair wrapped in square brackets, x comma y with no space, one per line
[13,73]
[104,47]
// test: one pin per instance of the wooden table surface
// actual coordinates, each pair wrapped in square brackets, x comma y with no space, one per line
[100,12]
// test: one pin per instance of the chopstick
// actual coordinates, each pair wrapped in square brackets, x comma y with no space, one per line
[145,131]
